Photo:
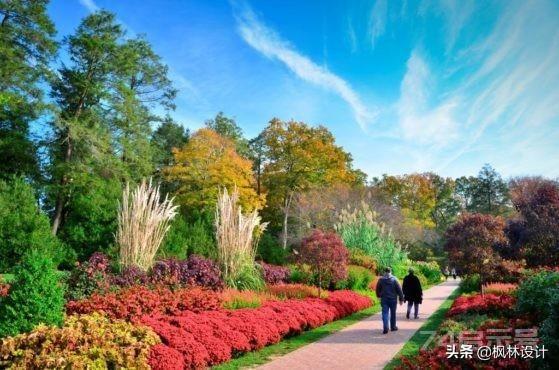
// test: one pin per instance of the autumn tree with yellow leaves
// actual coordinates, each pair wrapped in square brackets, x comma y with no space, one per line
[207,162]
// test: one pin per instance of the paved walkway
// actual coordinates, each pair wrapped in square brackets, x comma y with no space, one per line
[362,345]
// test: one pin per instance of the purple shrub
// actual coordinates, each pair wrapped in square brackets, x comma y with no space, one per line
[167,272]
[200,271]
[130,276]
[275,274]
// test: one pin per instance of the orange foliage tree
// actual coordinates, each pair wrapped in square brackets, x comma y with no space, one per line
[207,162]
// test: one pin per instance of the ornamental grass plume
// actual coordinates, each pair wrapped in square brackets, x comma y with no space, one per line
[143,221]
[237,238]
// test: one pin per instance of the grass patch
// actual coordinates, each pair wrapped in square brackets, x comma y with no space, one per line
[412,346]
[290,344]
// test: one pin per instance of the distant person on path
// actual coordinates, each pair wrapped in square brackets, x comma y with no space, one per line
[413,294]
[453,272]
[446,273]
[389,291]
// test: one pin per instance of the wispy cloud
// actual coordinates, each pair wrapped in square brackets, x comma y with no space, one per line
[377,20]
[90,5]
[270,44]
[418,122]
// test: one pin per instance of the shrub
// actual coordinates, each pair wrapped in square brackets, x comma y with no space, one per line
[23,226]
[129,276]
[499,288]
[203,272]
[470,283]
[275,274]
[84,342]
[162,357]
[36,296]
[299,291]
[209,338]
[130,303]
[482,304]
[359,258]
[142,223]
[88,277]
[358,278]
[550,330]
[236,236]
[300,274]
[270,251]
[431,270]
[326,255]
[534,294]
[4,290]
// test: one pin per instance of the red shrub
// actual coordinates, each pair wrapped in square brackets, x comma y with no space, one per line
[162,357]
[488,303]
[130,303]
[275,274]
[210,337]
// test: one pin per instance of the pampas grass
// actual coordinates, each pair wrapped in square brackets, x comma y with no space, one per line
[237,237]
[143,222]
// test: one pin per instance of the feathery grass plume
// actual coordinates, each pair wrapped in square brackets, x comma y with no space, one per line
[361,231]
[143,221]
[237,238]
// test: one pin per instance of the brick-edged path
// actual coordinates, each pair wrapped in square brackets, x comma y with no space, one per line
[362,345]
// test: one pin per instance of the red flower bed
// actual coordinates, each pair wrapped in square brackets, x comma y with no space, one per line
[208,338]
[488,303]
[133,302]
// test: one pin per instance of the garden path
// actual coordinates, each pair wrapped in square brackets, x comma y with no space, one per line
[362,345]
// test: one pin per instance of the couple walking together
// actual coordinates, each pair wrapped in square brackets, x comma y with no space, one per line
[389,291]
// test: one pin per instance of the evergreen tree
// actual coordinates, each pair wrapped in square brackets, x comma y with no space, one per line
[228,127]
[26,48]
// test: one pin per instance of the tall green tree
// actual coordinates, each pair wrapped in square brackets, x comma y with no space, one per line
[169,135]
[141,84]
[26,47]
[487,193]
[228,127]
[81,145]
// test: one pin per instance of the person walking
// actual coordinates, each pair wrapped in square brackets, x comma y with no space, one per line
[453,272]
[389,291]
[413,294]
[446,273]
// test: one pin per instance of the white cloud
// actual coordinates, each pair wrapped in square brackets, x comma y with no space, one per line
[90,5]
[377,20]
[268,42]
[418,122]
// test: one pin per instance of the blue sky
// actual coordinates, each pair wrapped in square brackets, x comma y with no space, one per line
[405,86]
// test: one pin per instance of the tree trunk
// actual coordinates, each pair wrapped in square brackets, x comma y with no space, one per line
[287,204]
[59,206]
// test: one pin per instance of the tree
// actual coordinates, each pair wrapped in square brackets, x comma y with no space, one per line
[209,161]
[168,136]
[486,193]
[140,85]
[26,48]
[228,127]
[81,143]
[471,243]
[298,158]
[326,255]
[536,234]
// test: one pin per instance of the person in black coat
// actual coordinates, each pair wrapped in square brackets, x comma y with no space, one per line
[413,294]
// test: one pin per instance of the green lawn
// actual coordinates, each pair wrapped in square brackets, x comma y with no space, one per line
[290,344]
[416,342]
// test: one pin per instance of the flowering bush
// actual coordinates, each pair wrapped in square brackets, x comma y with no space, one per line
[499,288]
[488,303]
[286,291]
[275,274]
[131,275]
[130,303]
[84,342]
[211,337]
[89,277]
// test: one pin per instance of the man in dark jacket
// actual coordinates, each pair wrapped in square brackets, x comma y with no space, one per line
[413,293]
[389,291]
